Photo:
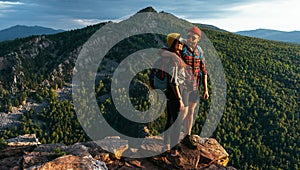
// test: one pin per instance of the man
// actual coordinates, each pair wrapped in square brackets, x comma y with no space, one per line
[193,56]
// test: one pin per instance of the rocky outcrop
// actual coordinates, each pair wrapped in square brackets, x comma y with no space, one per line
[20,63]
[88,155]
[3,64]
[24,140]
[9,120]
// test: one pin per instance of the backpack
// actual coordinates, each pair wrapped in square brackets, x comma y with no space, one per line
[158,78]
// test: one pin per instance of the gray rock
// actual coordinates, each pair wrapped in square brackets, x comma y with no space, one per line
[115,145]
[24,140]
[79,150]
[153,144]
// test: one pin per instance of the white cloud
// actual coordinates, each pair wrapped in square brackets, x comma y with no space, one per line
[280,15]
[8,4]
[6,7]
[86,22]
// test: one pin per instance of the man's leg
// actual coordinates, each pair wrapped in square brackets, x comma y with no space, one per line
[188,124]
[188,121]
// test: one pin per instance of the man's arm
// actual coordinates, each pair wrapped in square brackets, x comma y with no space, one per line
[204,78]
[205,93]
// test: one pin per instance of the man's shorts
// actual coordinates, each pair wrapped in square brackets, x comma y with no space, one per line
[194,96]
[189,97]
[185,95]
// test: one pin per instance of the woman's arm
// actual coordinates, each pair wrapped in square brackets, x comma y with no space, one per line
[175,85]
[178,96]
[166,53]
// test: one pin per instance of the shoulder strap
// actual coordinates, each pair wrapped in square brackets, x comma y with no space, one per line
[162,68]
[200,52]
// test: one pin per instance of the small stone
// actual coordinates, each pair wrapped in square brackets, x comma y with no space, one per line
[136,163]
[104,157]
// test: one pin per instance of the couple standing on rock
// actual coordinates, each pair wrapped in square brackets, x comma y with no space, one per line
[187,72]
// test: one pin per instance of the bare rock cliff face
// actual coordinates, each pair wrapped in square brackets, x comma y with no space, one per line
[25,152]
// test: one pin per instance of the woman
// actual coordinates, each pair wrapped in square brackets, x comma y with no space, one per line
[176,92]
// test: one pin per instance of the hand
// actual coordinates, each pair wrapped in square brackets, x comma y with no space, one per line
[181,105]
[205,95]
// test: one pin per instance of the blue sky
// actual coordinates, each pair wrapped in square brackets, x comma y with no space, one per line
[231,15]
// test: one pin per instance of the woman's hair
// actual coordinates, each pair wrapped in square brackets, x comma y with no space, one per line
[173,47]
[172,40]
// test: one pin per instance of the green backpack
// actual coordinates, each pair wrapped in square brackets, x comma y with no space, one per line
[158,78]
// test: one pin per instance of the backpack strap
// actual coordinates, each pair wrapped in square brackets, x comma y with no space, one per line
[162,68]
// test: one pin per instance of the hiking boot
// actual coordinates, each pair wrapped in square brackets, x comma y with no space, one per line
[177,147]
[174,152]
[187,141]
[176,161]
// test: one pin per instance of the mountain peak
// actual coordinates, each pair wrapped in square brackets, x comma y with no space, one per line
[148,9]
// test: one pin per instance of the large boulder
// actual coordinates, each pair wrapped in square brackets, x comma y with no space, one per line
[208,153]
[211,151]
[72,162]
